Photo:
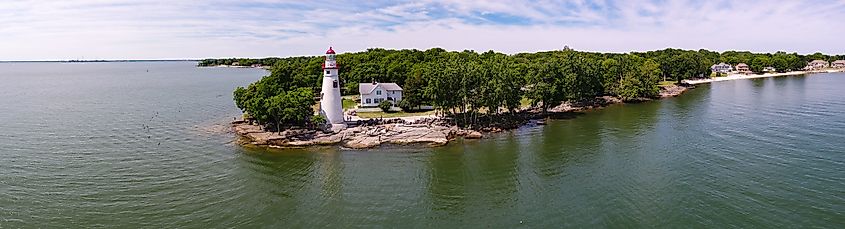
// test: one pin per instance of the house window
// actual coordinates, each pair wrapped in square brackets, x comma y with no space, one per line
[378,92]
[328,72]
[334,83]
[368,101]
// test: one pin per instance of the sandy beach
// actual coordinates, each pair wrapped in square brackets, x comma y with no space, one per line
[753,76]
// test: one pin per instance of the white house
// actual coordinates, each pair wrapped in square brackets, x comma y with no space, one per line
[769,69]
[721,67]
[743,68]
[817,65]
[373,93]
[838,64]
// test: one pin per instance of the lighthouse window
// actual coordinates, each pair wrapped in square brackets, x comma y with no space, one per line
[334,83]
[328,72]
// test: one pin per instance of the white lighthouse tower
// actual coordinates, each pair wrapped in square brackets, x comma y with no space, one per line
[330,104]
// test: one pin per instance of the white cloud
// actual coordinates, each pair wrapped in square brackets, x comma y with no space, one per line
[156,29]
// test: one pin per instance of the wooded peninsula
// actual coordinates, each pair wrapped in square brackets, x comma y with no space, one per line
[477,89]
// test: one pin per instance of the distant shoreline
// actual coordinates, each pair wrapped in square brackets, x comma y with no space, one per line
[754,76]
[235,66]
[93,61]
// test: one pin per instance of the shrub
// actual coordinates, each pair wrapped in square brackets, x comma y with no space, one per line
[318,120]
[406,105]
[385,105]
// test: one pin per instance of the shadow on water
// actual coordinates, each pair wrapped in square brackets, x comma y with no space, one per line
[564,115]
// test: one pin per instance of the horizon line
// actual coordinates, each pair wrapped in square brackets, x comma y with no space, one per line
[367,49]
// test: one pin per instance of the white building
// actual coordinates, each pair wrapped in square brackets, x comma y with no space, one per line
[817,65]
[838,64]
[721,67]
[330,103]
[769,69]
[373,93]
[743,68]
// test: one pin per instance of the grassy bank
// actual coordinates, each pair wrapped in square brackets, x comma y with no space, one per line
[392,114]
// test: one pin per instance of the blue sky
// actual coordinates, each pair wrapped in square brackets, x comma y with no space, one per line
[162,29]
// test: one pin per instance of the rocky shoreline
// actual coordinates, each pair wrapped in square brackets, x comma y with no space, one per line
[674,90]
[359,137]
[431,133]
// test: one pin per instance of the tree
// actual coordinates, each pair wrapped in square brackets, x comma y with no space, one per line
[278,98]
[687,66]
[464,84]
[612,76]
[541,84]
[640,78]
[385,105]
[414,90]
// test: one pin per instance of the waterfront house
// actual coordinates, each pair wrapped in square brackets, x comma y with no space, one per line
[769,69]
[374,93]
[743,68]
[721,67]
[817,65]
[838,64]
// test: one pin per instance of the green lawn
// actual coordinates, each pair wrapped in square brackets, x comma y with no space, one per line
[392,114]
[716,74]
[348,102]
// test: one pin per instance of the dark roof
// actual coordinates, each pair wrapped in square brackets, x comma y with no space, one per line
[330,51]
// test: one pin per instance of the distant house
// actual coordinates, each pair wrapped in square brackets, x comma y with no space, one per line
[817,65]
[236,63]
[743,68]
[721,67]
[374,93]
[838,64]
[769,69]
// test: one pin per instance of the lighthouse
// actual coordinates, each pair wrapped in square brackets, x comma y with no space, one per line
[330,104]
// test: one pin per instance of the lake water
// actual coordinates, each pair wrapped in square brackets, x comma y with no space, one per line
[147,145]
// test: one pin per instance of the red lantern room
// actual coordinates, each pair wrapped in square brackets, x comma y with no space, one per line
[330,63]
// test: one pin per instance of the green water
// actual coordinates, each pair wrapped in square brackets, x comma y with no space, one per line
[147,145]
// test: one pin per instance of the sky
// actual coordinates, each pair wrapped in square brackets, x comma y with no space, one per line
[180,29]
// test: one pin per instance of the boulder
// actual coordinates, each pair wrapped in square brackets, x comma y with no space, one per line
[473,135]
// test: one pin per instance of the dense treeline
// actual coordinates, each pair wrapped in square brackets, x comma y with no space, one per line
[283,97]
[467,84]
[241,61]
